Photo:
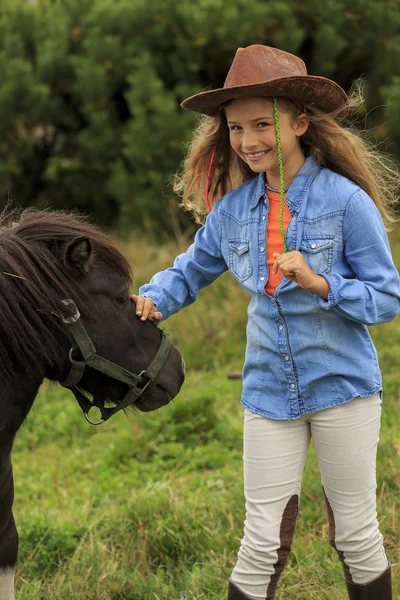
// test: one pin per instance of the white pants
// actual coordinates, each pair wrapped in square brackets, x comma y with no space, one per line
[345,439]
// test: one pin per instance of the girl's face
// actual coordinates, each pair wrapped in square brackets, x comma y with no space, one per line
[253,137]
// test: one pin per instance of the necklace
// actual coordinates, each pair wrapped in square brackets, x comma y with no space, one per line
[281,177]
[271,189]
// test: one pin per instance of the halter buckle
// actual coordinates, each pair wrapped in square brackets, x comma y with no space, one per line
[74,318]
[142,375]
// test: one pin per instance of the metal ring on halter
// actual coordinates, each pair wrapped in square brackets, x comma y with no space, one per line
[93,422]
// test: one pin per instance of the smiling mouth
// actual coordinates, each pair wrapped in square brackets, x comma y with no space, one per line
[256,155]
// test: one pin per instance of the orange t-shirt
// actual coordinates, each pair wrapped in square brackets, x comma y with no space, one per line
[274,239]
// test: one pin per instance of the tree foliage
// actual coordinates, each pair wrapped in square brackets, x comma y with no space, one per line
[90,89]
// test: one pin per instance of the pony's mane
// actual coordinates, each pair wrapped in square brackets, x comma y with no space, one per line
[34,279]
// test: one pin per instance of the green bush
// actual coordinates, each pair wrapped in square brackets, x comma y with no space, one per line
[90,89]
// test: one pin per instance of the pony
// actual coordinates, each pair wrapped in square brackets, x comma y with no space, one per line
[66,315]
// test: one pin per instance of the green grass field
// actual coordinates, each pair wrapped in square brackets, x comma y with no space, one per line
[150,507]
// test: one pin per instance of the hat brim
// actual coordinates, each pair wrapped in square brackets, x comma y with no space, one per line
[324,93]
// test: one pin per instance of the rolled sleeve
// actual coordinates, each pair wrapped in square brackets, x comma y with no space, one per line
[373,295]
[333,296]
[177,287]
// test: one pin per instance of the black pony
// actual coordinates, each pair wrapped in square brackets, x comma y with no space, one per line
[57,271]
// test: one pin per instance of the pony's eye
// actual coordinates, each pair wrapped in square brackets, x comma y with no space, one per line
[123,298]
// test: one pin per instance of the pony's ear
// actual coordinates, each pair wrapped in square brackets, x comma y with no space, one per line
[78,254]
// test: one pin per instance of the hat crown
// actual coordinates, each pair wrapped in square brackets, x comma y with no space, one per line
[258,64]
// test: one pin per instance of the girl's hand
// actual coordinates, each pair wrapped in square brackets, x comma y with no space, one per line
[295,268]
[146,309]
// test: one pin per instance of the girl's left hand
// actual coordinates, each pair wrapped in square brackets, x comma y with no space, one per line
[295,268]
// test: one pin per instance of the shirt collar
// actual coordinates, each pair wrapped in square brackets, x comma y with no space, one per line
[259,191]
[297,188]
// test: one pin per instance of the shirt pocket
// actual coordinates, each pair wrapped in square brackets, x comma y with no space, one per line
[239,259]
[318,253]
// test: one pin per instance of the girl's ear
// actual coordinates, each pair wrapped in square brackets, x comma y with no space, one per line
[301,124]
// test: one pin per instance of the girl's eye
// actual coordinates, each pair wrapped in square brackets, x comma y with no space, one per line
[260,125]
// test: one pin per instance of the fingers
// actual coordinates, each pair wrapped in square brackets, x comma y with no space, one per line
[153,317]
[275,267]
[288,267]
[146,309]
[288,263]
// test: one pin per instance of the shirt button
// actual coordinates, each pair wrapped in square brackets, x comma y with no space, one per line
[292,386]
[313,245]
[291,248]
[262,278]
[262,249]
[294,218]
[263,217]
[287,358]
[280,327]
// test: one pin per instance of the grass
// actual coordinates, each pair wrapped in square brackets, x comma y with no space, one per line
[150,506]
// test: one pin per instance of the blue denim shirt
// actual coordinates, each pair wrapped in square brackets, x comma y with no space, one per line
[303,353]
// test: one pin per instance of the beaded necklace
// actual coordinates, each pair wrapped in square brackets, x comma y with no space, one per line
[281,177]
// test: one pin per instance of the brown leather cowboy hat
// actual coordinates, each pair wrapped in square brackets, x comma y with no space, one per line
[264,71]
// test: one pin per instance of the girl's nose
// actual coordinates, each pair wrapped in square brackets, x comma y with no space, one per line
[249,142]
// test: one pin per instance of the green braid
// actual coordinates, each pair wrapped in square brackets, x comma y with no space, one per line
[281,177]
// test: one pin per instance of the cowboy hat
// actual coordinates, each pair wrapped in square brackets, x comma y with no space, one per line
[265,71]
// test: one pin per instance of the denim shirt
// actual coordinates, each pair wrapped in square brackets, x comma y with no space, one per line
[304,353]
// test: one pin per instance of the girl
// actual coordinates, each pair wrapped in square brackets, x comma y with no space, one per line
[304,236]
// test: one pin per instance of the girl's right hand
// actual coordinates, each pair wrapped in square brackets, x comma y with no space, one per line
[146,309]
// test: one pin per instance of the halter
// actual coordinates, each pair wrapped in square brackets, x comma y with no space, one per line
[137,384]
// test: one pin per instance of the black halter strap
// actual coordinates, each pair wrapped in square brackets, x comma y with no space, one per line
[137,383]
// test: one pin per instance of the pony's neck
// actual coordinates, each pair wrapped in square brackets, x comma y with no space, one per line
[59,371]
[16,400]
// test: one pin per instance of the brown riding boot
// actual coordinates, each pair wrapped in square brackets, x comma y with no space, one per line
[235,594]
[379,589]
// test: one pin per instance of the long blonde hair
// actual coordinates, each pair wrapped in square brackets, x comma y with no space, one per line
[339,147]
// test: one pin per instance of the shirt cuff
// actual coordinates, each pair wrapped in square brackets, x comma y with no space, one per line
[333,294]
